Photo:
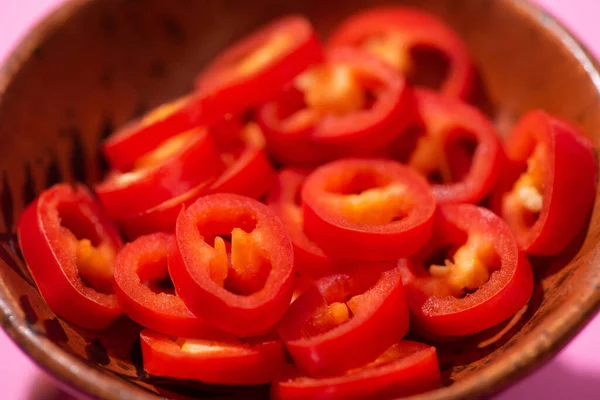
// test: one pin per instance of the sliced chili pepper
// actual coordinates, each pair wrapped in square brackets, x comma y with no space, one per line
[254,69]
[175,167]
[69,246]
[222,362]
[455,146]
[398,34]
[368,209]
[470,277]
[351,105]
[547,193]
[346,320]
[284,200]
[301,285]
[404,369]
[142,136]
[248,170]
[145,291]
[161,218]
[244,289]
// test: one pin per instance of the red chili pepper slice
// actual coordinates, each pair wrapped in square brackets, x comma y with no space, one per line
[351,105]
[455,146]
[142,136]
[547,193]
[175,167]
[69,246]
[284,199]
[254,69]
[248,170]
[145,291]
[363,310]
[393,33]
[470,277]
[301,285]
[243,287]
[161,218]
[214,361]
[368,209]
[406,368]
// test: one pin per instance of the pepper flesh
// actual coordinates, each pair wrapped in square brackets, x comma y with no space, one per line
[95,265]
[163,111]
[391,48]
[265,54]
[164,151]
[528,190]
[376,206]
[429,158]
[245,269]
[206,347]
[469,268]
[328,317]
[333,89]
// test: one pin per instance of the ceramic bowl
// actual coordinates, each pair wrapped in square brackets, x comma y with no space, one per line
[94,64]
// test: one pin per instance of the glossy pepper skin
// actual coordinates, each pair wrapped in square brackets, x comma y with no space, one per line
[353,104]
[247,172]
[170,170]
[139,137]
[245,289]
[367,209]
[284,199]
[255,68]
[215,361]
[346,320]
[66,239]
[392,32]
[161,218]
[548,189]
[470,277]
[140,268]
[404,369]
[455,146]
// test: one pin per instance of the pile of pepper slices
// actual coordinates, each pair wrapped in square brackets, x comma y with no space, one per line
[311,199]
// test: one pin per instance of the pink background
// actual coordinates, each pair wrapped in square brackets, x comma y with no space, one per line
[575,373]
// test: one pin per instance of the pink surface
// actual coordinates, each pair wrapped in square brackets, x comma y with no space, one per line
[575,373]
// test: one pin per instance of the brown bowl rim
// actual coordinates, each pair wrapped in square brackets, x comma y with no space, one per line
[75,375]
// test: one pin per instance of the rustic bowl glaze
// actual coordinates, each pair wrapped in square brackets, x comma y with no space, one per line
[92,65]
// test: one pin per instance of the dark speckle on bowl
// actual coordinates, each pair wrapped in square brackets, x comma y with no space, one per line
[96,352]
[29,192]
[173,29]
[78,157]
[135,354]
[54,330]
[53,172]
[108,24]
[30,314]
[10,259]
[106,129]
[6,203]
[38,53]
[158,69]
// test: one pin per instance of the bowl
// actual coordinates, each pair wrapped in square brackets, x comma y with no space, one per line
[92,65]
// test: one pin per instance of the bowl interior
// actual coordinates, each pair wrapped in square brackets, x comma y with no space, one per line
[94,64]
